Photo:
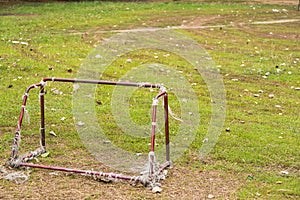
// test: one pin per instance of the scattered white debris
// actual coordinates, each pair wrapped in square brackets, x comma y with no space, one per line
[56,91]
[63,119]
[284,172]
[260,91]
[53,133]
[210,196]
[139,154]
[234,79]
[256,95]
[277,106]
[129,60]
[271,96]
[267,73]
[98,56]
[156,189]
[19,42]
[75,87]
[80,123]
[205,140]
[275,10]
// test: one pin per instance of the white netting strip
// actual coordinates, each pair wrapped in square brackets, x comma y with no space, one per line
[155,102]
[26,112]
[151,177]
[172,114]
[25,94]
[43,83]
[14,163]
[17,177]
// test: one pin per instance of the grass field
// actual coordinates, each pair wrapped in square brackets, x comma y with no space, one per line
[256,48]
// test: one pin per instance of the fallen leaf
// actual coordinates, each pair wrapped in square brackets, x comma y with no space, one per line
[44,155]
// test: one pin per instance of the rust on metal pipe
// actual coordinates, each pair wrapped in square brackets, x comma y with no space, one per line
[42,107]
[167,132]
[80,171]
[103,82]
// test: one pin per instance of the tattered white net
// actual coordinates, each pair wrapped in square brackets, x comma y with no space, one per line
[17,177]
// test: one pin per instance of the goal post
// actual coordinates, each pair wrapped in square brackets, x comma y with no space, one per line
[150,178]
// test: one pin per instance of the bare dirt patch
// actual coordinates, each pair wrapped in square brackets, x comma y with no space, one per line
[182,183]
[278,2]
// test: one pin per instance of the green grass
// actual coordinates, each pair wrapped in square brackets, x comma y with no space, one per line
[263,139]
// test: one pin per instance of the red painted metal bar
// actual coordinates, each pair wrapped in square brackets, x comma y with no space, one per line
[42,107]
[80,171]
[167,132]
[164,166]
[103,82]
[153,127]
[16,141]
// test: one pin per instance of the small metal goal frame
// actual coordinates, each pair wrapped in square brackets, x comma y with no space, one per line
[150,178]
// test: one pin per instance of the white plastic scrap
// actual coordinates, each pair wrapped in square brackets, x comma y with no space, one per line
[156,189]
[80,123]
[284,172]
[53,133]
